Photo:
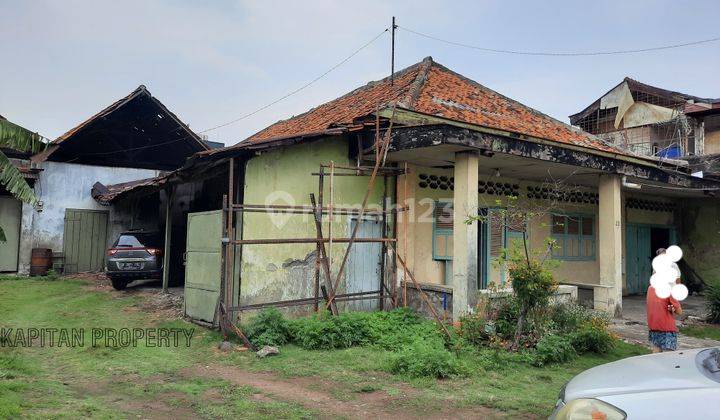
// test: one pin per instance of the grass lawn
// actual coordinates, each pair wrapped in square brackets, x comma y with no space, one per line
[105,381]
[702,331]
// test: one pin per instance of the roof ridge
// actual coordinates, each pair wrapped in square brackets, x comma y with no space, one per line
[113,106]
[425,64]
[509,99]
[416,86]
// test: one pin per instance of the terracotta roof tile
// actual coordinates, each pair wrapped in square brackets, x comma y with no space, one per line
[430,88]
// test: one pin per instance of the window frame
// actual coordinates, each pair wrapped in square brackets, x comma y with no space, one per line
[447,233]
[580,236]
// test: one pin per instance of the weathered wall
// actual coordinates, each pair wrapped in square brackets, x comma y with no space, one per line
[712,134]
[284,176]
[441,298]
[420,231]
[420,226]
[699,236]
[67,185]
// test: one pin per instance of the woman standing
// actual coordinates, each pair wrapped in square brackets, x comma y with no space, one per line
[661,319]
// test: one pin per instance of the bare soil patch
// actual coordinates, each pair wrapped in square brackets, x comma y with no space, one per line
[316,394]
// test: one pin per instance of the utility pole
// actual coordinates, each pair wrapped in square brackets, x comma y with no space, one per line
[392,52]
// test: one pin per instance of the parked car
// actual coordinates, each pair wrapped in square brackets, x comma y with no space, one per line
[673,385]
[134,255]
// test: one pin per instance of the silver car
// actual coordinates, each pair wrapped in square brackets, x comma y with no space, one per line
[682,384]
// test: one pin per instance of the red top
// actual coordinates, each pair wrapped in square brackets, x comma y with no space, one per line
[658,316]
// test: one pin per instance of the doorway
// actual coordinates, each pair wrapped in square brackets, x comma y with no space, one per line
[641,243]
[84,240]
[10,214]
[363,271]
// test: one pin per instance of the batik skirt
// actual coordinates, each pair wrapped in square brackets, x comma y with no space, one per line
[663,340]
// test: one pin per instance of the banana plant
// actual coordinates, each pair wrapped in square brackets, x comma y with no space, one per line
[12,136]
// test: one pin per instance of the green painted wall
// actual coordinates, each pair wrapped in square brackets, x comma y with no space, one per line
[699,237]
[283,176]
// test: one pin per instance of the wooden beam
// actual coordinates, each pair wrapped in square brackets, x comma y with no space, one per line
[170,193]
[328,286]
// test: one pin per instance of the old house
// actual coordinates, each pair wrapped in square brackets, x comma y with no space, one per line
[134,138]
[457,150]
[652,121]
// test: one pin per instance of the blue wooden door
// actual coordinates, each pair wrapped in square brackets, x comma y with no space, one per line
[631,266]
[363,271]
[638,259]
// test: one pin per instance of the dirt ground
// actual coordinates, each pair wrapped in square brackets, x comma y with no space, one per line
[632,327]
[316,394]
[320,396]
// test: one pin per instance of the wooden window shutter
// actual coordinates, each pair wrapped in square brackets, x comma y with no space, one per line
[443,215]
[497,232]
[442,245]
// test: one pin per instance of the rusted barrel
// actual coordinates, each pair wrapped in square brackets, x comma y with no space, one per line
[40,261]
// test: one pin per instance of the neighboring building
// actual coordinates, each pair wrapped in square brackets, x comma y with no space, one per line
[136,137]
[468,150]
[651,121]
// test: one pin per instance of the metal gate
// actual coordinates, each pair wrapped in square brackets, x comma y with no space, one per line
[364,262]
[10,214]
[84,240]
[203,264]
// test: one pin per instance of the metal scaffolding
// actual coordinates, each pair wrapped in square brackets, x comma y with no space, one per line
[325,287]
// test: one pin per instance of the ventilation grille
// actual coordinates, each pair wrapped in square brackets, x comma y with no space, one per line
[436,182]
[635,203]
[580,197]
[499,188]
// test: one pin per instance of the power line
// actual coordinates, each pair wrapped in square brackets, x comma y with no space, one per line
[306,85]
[559,54]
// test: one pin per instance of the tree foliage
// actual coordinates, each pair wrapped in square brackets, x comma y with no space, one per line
[12,136]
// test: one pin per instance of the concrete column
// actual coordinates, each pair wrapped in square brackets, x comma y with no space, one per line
[608,297]
[465,236]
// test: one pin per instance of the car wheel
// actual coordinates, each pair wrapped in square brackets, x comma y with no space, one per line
[119,284]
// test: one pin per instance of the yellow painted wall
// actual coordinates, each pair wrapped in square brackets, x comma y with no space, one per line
[419,237]
[420,222]
[284,175]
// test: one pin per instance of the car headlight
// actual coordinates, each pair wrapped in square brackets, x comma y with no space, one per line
[589,409]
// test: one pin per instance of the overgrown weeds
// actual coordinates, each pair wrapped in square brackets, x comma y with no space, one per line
[712,302]
[553,334]
[426,358]
[391,330]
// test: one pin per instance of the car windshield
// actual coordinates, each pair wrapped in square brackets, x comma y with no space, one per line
[708,361]
[137,240]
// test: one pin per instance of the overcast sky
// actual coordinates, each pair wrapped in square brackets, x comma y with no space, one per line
[211,62]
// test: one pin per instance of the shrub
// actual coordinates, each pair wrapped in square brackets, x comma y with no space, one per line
[324,331]
[552,349]
[533,284]
[504,312]
[592,337]
[268,328]
[387,330]
[426,359]
[712,301]
[475,329]
[398,328]
[567,317]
